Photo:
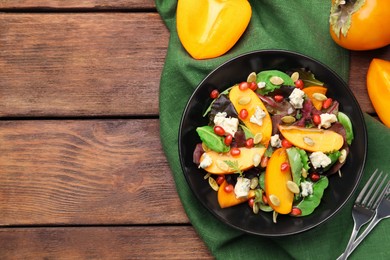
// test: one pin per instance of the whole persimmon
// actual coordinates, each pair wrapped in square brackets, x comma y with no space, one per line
[360,24]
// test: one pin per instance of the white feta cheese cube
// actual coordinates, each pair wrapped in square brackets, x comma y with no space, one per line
[319,159]
[307,188]
[261,84]
[206,161]
[296,98]
[229,124]
[242,187]
[275,141]
[327,120]
[257,117]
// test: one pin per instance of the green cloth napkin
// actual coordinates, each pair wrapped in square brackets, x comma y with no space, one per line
[295,25]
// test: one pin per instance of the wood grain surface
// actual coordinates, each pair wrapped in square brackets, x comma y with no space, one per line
[89,64]
[89,172]
[76,4]
[167,242]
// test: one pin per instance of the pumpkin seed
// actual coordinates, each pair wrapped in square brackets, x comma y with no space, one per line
[276,80]
[295,76]
[304,173]
[257,138]
[255,208]
[213,184]
[274,200]
[252,77]
[256,159]
[222,165]
[205,148]
[254,183]
[244,100]
[293,187]
[320,96]
[274,216]
[206,176]
[308,141]
[343,156]
[288,119]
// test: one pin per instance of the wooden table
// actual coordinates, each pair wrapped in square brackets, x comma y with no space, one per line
[82,171]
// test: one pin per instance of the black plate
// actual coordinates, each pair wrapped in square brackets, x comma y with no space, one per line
[241,217]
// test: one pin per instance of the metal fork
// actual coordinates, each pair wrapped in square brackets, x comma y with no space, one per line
[363,209]
[382,212]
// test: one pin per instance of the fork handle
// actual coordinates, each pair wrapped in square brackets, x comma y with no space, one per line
[344,255]
[355,244]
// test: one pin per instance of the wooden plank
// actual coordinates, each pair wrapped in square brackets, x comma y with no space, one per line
[81,64]
[61,4]
[153,242]
[85,172]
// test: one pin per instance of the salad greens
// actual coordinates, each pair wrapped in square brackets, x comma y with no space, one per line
[273,141]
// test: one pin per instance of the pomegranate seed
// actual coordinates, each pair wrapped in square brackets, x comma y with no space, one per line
[219,130]
[243,85]
[265,200]
[249,143]
[286,143]
[253,86]
[316,119]
[235,151]
[299,84]
[285,166]
[295,211]
[327,103]
[229,188]
[251,201]
[220,179]
[278,98]
[314,176]
[243,113]
[214,94]
[228,139]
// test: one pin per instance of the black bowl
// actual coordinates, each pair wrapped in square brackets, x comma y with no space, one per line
[241,216]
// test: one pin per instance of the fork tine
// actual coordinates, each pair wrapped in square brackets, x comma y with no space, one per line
[385,192]
[376,193]
[361,194]
[373,187]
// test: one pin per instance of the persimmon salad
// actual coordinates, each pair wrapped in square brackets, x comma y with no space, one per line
[272,142]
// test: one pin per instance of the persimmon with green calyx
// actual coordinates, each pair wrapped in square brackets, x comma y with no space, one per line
[312,139]
[360,24]
[279,196]
[310,93]
[210,28]
[248,100]
[378,87]
[226,163]
[229,199]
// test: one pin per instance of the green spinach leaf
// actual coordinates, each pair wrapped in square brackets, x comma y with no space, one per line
[309,203]
[248,133]
[266,75]
[211,140]
[294,158]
